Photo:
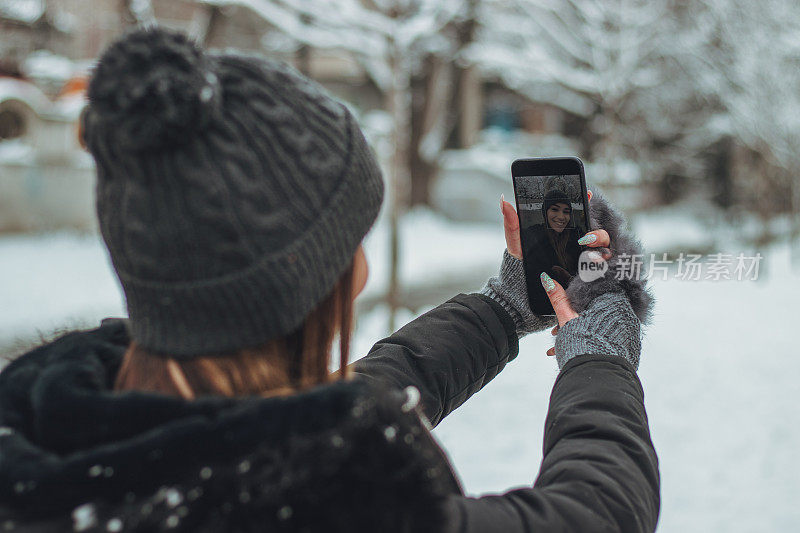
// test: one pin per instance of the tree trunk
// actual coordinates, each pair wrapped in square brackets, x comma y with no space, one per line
[214,21]
[795,223]
[608,154]
[303,54]
[721,173]
[470,106]
[130,16]
[399,106]
[303,59]
[431,93]
[127,18]
[206,25]
[440,95]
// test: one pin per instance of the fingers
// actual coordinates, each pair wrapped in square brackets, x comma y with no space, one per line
[558,297]
[511,228]
[596,239]
[552,351]
[554,331]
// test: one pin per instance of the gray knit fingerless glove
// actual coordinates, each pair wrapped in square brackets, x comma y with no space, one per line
[607,327]
[510,291]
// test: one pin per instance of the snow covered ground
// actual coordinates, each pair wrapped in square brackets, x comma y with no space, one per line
[62,280]
[719,367]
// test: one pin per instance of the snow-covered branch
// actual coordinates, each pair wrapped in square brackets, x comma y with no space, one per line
[369,33]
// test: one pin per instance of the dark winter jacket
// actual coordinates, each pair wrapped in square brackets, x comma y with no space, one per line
[348,456]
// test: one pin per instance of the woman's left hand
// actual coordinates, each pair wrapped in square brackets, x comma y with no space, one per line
[597,238]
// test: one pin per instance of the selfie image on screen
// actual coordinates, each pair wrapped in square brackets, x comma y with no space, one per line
[552,220]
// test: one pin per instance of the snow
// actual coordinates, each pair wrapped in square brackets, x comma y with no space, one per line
[624,171]
[43,64]
[471,180]
[84,517]
[52,282]
[29,94]
[83,289]
[372,34]
[16,152]
[27,11]
[47,66]
[432,248]
[661,231]
[754,74]
[492,154]
[69,106]
[143,11]
[718,363]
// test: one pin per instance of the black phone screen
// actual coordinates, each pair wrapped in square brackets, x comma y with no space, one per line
[552,206]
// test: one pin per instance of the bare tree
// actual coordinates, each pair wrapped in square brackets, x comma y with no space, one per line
[592,58]
[752,65]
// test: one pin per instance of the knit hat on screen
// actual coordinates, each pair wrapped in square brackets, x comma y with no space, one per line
[554,196]
[232,192]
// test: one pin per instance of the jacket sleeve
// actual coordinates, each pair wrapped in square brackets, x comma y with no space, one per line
[448,353]
[599,471]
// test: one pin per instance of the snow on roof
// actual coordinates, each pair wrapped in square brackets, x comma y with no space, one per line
[43,64]
[29,94]
[27,11]
[16,152]
[63,21]
[68,107]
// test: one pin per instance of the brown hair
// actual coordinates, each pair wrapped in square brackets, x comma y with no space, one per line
[280,366]
[558,241]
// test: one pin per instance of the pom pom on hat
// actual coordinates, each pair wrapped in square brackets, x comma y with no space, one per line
[154,88]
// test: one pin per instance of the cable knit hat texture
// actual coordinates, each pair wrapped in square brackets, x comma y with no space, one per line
[232,192]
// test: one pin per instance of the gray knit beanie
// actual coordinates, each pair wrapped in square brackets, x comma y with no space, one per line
[232,192]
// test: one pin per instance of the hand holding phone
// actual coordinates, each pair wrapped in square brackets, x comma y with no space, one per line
[553,213]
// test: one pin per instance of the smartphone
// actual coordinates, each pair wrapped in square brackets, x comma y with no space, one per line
[553,211]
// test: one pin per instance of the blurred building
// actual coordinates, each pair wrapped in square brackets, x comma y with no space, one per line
[30,25]
[46,179]
[46,50]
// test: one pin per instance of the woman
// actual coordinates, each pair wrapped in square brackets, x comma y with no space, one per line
[553,246]
[557,213]
[233,195]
